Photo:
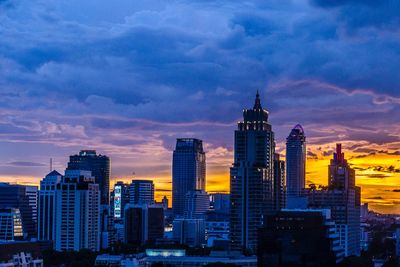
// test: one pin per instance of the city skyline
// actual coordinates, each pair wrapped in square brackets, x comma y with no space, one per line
[86,85]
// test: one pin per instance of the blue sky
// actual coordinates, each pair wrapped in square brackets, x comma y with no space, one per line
[129,77]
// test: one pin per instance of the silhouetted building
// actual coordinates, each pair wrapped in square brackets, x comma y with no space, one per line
[20,197]
[77,212]
[197,203]
[190,232]
[279,183]
[143,224]
[295,164]
[251,177]
[99,165]
[141,192]
[46,206]
[342,197]
[299,238]
[220,202]
[188,171]
[119,199]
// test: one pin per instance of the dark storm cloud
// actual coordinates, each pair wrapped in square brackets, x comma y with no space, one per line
[131,78]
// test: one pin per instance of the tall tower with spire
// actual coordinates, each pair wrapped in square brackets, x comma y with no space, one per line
[251,177]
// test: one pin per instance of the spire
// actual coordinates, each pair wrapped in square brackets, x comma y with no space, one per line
[257,104]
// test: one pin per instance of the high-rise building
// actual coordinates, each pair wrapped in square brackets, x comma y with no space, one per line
[279,183]
[188,171]
[220,202]
[119,199]
[190,232]
[251,177]
[99,165]
[197,203]
[143,224]
[342,197]
[10,224]
[19,197]
[299,238]
[46,206]
[295,164]
[141,192]
[77,212]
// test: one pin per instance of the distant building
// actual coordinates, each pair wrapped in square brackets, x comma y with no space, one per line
[47,205]
[217,234]
[165,202]
[119,199]
[190,232]
[251,177]
[299,238]
[295,164]
[188,171]
[77,212]
[143,224]
[99,165]
[197,203]
[342,197]
[279,183]
[141,192]
[22,198]
[220,202]
[10,224]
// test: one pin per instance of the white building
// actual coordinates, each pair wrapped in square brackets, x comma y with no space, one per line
[77,212]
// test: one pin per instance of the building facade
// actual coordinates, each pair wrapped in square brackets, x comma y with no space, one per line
[279,183]
[99,165]
[251,177]
[119,199]
[299,238]
[190,232]
[295,164]
[77,212]
[188,171]
[141,192]
[10,224]
[46,206]
[197,203]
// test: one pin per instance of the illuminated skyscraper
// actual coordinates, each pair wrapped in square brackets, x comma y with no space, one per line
[188,171]
[141,192]
[99,165]
[251,177]
[119,199]
[295,164]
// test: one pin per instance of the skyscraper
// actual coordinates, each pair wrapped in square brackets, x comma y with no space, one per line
[10,224]
[279,183]
[141,192]
[119,198]
[295,164]
[251,177]
[77,212]
[46,205]
[188,171]
[342,197]
[99,165]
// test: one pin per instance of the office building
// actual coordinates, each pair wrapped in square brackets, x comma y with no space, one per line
[295,164]
[141,192]
[188,171]
[10,224]
[342,197]
[251,177]
[46,206]
[165,202]
[77,212]
[98,165]
[144,224]
[279,183]
[119,199]
[217,234]
[220,202]
[190,232]
[197,203]
[299,238]
[19,197]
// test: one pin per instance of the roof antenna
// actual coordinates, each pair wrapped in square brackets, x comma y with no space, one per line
[51,164]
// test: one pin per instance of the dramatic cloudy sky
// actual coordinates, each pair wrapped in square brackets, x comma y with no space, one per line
[129,77]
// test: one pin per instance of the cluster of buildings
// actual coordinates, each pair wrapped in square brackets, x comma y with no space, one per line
[269,212]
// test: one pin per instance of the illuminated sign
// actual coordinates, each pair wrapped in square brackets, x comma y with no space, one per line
[117,201]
